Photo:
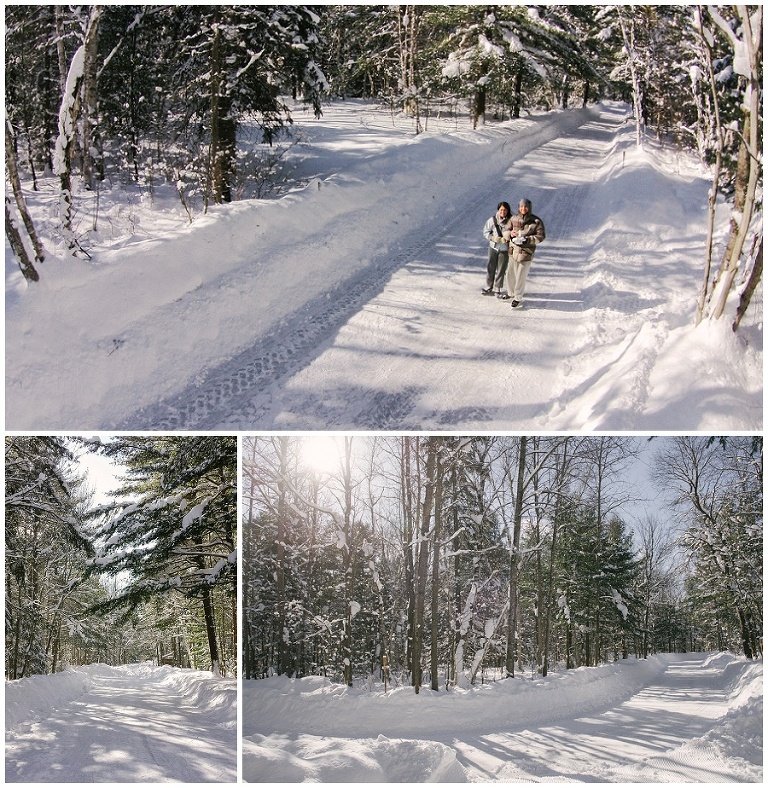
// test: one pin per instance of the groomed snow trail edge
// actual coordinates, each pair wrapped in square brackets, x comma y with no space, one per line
[671,718]
[135,723]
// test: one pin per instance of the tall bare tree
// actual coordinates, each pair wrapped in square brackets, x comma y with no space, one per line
[514,561]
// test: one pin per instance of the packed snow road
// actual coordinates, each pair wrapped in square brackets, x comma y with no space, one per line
[353,301]
[671,718]
[408,342]
[121,725]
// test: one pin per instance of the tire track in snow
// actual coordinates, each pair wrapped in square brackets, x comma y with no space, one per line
[262,367]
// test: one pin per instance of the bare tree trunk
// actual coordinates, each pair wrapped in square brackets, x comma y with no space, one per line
[423,561]
[480,100]
[517,102]
[435,606]
[627,32]
[514,563]
[561,486]
[755,276]
[210,631]
[712,202]
[407,503]
[223,128]
[282,536]
[13,175]
[91,171]
[16,242]
[408,18]
[348,568]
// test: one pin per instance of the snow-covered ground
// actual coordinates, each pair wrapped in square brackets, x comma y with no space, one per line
[354,301]
[672,718]
[134,723]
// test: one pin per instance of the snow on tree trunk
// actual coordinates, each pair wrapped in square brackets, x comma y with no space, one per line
[627,32]
[423,561]
[16,242]
[62,154]
[747,63]
[705,37]
[90,98]
[514,563]
[351,606]
[464,622]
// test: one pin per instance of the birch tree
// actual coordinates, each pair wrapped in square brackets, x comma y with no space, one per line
[514,560]
[746,42]
[172,528]
[20,241]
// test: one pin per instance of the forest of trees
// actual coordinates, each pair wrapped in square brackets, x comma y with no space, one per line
[440,561]
[196,95]
[150,576]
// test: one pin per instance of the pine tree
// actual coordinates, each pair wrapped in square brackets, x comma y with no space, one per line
[45,552]
[173,528]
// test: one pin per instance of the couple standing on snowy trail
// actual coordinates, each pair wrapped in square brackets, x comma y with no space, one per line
[513,241]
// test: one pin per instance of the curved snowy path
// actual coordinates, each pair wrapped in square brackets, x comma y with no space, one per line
[671,718]
[658,735]
[126,728]
[410,343]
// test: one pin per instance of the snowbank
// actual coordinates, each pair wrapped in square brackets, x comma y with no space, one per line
[31,698]
[281,758]
[314,704]
[217,697]
[128,724]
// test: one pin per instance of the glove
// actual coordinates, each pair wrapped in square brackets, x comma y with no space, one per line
[520,240]
[499,239]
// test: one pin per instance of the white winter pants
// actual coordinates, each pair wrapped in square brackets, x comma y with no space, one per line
[517,273]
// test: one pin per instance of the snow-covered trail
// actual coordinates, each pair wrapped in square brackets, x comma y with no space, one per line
[658,735]
[129,726]
[671,718]
[429,352]
[408,343]
[402,339]
[353,301]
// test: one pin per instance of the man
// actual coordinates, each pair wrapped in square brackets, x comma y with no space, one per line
[527,232]
[496,230]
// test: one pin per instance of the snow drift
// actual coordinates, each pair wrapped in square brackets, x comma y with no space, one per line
[279,703]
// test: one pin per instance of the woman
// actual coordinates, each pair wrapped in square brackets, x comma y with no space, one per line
[497,231]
